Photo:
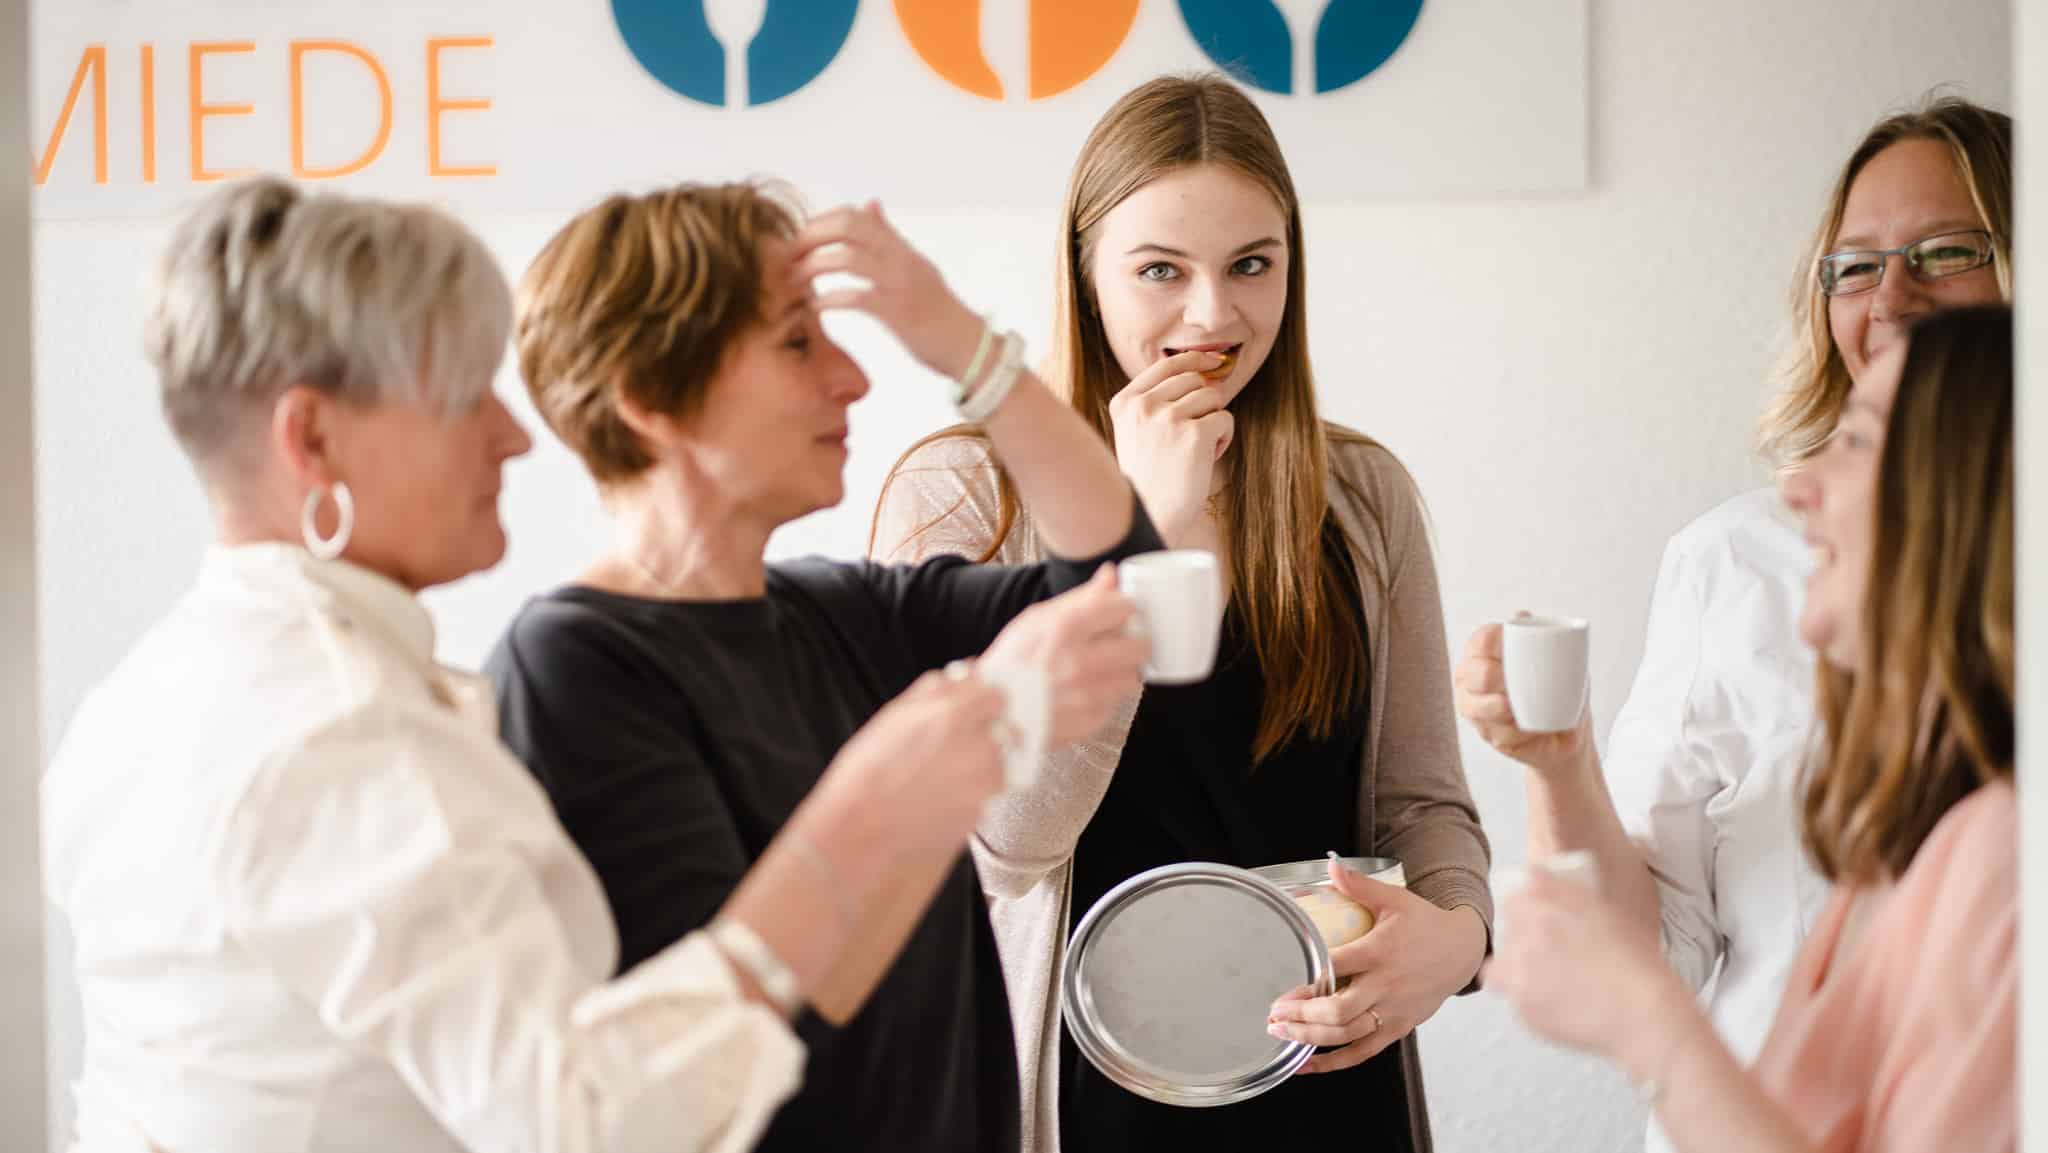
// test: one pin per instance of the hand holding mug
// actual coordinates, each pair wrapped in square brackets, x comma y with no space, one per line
[1548,677]
[1084,641]
[1579,972]
[925,764]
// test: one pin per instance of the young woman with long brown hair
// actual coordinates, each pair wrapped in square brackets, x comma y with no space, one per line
[1898,1026]
[1181,336]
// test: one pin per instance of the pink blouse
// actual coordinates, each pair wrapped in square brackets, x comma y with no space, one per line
[1909,1044]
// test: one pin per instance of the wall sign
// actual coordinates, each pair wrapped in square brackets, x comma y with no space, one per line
[932,105]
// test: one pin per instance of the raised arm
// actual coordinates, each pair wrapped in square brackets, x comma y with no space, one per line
[1063,470]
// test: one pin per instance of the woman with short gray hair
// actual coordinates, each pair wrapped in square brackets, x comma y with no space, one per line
[317,905]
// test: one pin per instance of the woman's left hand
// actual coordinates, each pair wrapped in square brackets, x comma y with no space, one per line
[904,290]
[1580,973]
[1413,958]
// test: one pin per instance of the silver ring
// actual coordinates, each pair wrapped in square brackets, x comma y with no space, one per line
[1377,1024]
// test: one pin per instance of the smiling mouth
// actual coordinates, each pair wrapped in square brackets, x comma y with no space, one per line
[1222,371]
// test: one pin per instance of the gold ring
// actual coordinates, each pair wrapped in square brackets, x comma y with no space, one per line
[1377,1024]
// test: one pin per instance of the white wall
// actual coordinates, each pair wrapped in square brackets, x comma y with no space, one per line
[1571,379]
[21,905]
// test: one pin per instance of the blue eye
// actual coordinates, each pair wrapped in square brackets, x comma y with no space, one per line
[1158,273]
[1253,266]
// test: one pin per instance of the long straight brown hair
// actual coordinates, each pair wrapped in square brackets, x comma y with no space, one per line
[1300,619]
[1927,717]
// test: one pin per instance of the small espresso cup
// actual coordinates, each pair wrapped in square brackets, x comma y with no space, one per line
[1179,596]
[1544,659]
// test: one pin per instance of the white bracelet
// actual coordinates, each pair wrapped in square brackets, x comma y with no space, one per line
[980,404]
[965,384]
[752,956]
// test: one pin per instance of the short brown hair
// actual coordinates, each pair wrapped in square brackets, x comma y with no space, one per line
[639,298]
[1927,717]
[1814,380]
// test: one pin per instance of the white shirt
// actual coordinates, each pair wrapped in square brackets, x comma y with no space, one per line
[1706,760]
[319,907]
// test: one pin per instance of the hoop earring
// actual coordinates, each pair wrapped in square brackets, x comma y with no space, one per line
[327,548]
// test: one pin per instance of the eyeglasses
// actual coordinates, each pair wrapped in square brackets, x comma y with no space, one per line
[1862,269]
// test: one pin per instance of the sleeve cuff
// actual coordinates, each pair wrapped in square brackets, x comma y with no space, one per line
[1142,537]
[1453,888]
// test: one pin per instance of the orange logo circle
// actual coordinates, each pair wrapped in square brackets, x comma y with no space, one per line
[1070,40]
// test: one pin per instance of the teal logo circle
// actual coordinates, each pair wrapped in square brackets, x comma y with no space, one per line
[1250,40]
[673,41]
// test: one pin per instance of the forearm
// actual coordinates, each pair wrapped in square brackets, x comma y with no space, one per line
[823,897]
[885,926]
[1025,834]
[1570,809]
[1706,1101]
[1064,471]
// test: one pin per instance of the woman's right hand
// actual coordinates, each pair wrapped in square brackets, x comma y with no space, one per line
[904,289]
[1482,691]
[1084,642]
[1172,426]
[920,770]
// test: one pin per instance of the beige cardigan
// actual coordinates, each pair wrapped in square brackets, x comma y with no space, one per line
[1414,804]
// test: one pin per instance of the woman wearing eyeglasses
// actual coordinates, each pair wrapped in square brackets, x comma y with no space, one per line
[1694,816]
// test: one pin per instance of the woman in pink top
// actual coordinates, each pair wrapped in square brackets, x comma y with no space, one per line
[1898,1028]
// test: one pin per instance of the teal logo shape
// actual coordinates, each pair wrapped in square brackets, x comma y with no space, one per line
[1250,40]
[673,41]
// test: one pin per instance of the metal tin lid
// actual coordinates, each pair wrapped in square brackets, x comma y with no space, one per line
[1169,979]
[1311,874]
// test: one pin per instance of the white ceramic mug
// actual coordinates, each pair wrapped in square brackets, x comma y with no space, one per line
[1179,595]
[1575,865]
[1544,659]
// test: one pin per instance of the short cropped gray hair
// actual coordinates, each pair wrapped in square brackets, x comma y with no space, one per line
[265,287]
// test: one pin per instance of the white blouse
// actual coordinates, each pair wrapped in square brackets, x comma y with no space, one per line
[1706,758]
[319,907]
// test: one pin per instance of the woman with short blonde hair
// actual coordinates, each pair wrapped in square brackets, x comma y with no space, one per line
[318,906]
